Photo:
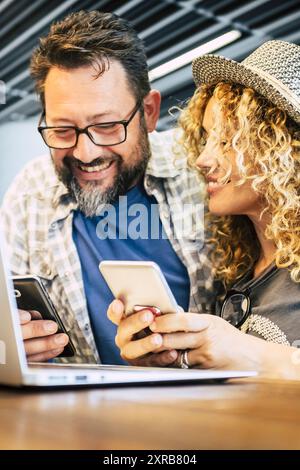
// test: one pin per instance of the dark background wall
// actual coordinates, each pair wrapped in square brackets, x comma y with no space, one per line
[169,28]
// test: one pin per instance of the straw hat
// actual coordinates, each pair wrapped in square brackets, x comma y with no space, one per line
[273,70]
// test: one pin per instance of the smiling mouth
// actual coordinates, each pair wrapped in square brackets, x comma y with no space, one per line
[95,171]
[213,186]
[95,168]
[217,184]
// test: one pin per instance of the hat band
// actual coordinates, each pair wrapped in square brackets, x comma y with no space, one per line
[283,89]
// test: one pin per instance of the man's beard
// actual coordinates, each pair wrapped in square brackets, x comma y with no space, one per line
[91,198]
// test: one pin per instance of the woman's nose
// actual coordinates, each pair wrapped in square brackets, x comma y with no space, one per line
[206,159]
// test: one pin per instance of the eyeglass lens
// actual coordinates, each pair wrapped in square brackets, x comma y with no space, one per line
[235,308]
[101,135]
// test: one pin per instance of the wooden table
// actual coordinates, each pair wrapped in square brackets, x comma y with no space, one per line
[243,414]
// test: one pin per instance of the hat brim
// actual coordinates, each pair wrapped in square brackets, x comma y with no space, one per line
[210,69]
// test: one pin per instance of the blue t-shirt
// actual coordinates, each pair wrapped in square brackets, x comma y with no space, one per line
[131,230]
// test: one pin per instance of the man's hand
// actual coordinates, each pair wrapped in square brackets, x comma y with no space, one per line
[41,342]
[137,344]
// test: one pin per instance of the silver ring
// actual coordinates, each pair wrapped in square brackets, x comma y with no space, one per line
[183,360]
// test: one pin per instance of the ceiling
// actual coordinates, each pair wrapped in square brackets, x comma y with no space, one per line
[168,27]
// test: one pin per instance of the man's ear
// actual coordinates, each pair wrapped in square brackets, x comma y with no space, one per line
[152,109]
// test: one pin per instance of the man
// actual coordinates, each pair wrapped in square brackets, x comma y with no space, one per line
[91,75]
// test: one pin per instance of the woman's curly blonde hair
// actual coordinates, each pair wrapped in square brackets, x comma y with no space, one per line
[267,147]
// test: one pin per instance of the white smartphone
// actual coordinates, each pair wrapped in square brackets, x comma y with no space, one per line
[139,284]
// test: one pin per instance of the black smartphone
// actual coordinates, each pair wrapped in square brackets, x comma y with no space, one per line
[31,295]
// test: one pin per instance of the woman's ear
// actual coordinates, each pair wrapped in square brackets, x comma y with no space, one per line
[152,109]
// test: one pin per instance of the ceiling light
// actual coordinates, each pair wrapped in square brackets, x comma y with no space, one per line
[187,57]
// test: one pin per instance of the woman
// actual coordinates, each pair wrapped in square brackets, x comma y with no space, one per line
[242,130]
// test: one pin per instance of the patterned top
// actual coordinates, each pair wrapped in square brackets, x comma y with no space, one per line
[37,215]
[275,306]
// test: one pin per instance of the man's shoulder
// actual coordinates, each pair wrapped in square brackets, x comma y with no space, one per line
[164,143]
[168,158]
[38,174]
[160,138]
[36,179]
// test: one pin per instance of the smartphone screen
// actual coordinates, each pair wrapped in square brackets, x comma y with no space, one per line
[31,295]
[139,283]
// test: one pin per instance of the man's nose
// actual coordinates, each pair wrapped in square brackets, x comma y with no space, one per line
[85,150]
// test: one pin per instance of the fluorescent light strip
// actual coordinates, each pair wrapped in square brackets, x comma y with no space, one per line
[187,58]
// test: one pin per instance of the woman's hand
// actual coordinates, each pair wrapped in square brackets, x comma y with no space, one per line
[137,344]
[211,341]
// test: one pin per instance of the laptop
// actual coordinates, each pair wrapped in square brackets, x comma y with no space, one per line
[15,371]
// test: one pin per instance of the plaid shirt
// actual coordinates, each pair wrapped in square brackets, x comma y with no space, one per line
[37,215]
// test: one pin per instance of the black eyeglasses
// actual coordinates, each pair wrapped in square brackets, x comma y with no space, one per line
[236,307]
[103,134]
